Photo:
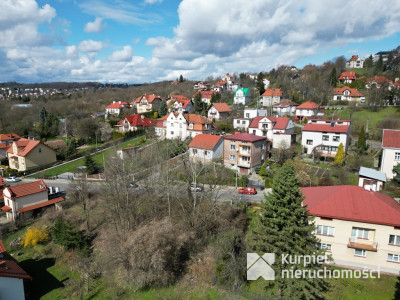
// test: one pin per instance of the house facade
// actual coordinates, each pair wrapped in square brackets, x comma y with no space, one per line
[347,94]
[359,228]
[371,179]
[242,96]
[271,97]
[284,108]
[205,148]
[23,201]
[179,103]
[26,154]
[243,152]
[309,109]
[390,151]
[378,82]
[254,112]
[323,137]
[147,102]
[219,111]
[347,77]
[116,107]
[241,123]
[205,96]
[134,122]
[182,126]
[355,62]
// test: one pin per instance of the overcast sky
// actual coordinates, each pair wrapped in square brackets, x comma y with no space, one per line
[152,40]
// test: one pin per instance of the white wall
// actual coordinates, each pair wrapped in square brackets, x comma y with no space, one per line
[388,162]
[316,137]
[12,288]
[281,140]
[243,123]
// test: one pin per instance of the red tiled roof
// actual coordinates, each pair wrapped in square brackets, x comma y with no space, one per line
[184,102]
[391,138]
[221,107]
[273,93]
[278,123]
[160,121]
[137,120]
[177,97]
[3,146]
[205,141]
[245,137]
[353,58]
[9,267]
[8,137]
[26,189]
[196,119]
[281,123]
[117,105]
[349,75]
[42,204]
[148,97]
[352,203]
[2,181]
[204,94]
[285,103]
[326,128]
[378,80]
[308,105]
[6,208]
[256,120]
[2,248]
[24,146]
[353,92]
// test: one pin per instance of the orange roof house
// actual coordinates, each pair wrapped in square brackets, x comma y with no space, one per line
[147,103]
[8,138]
[347,94]
[205,147]
[347,77]
[219,110]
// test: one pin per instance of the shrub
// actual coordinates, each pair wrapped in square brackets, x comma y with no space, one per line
[36,236]
[268,183]
[65,234]
[324,181]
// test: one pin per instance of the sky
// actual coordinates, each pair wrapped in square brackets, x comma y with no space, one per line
[144,41]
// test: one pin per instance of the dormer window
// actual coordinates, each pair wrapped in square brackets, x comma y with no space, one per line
[191,126]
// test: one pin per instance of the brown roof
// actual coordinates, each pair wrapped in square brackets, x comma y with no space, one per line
[285,103]
[221,107]
[273,92]
[26,189]
[353,92]
[205,141]
[391,138]
[148,97]
[196,119]
[308,105]
[57,145]
[2,181]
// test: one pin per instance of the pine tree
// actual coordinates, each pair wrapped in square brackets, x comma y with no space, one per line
[340,156]
[71,148]
[43,115]
[181,78]
[90,164]
[285,228]
[198,104]
[332,78]
[260,83]
[162,110]
[362,144]
[213,98]
[396,170]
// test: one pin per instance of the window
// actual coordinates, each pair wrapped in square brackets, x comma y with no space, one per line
[194,151]
[40,150]
[336,138]
[205,152]
[325,230]
[394,240]
[325,137]
[254,131]
[327,247]
[172,124]
[262,146]
[232,157]
[397,156]
[360,252]
[238,122]
[393,257]
[180,125]
[246,159]
[309,142]
[233,147]
[243,122]
[247,115]
[172,133]
[360,233]
[334,149]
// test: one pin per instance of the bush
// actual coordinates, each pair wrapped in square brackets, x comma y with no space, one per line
[66,235]
[324,181]
[36,236]
[268,183]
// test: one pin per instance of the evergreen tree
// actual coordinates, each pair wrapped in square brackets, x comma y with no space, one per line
[340,156]
[379,65]
[368,62]
[285,228]
[396,170]
[90,164]
[198,104]
[333,78]
[362,143]
[181,78]
[163,109]
[213,98]
[43,115]
[218,97]
[260,83]
[71,148]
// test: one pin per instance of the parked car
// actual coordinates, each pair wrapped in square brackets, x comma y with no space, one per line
[132,185]
[196,188]
[12,179]
[248,190]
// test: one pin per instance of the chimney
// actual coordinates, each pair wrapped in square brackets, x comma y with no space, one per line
[113,101]
[120,102]
[142,116]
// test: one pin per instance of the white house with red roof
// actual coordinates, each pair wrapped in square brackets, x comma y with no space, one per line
[347,77]
[358,227]
[219,110]
[390,152]
[347,94]
[205,148]
[147,103]
[23,201]
[182,126]
[284,108]
[134,122]
[179,103]
[309,109]
[323,137]
[161,127]
[378,82]
[205,96]
[116,107]
[12,276]
[271,97]
[355,62]
[201,85]
[244,151]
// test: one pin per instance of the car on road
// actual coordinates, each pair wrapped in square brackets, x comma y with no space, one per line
[248,190]
[12,179]
[196,188]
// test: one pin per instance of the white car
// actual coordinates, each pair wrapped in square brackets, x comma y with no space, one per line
[12,179]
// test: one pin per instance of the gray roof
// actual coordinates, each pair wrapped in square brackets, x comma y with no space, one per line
[372,173]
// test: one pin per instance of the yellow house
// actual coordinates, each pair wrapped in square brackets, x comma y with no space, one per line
[358,227]
[26,154]
[147,103]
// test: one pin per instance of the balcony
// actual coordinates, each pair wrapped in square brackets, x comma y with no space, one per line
[245,150]
[362,244]
[243,163]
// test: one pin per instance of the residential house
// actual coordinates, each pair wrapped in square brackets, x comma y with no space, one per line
[116,107]
[242,96]
[378,82]
[371,179]
[220,86]
[26,200]
[205,96]
[134,122]
[284,108]
[228,78]
[3,151]
[266,83]
[218,111]
[57,145]
[146,103]
[26,154]
[179,103]
[347,94]
[254,112]
[323,137]
[357,227]
[390,151]
[241,123]
[279,131]
[347,77]
[309,109]
[271,97]
[12,276]
[182,126]
[244,151]
[205,148]
[201,85]
[8,138]
[161,127]
[355,62]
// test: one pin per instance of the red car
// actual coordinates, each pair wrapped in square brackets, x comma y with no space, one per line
[248,190]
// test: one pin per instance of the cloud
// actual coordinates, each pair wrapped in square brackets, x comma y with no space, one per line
[152,1]
[90,46]
[94,27]
[123,55]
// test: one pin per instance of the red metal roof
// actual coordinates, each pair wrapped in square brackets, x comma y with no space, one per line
[222,107]
[26,189]
[281,123]
[42,204]
[205,141]
[326,128]
[245,137]
[137,120]
[391,138]
[352,203]
[308,105]
[9,267]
